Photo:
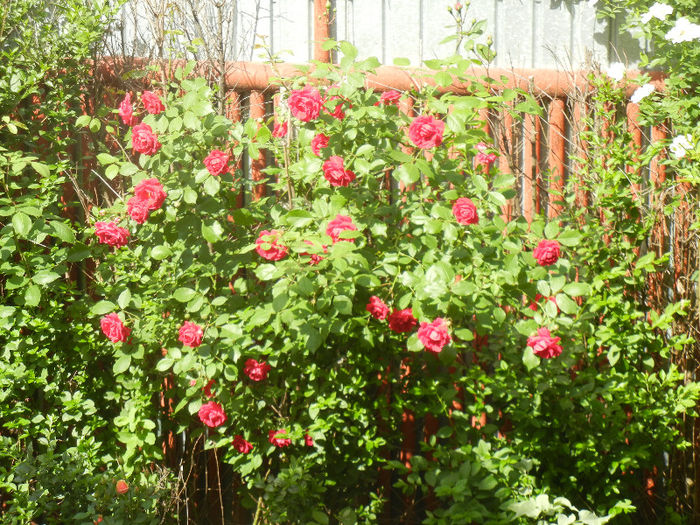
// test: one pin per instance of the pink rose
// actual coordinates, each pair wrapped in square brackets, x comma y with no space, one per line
[335,173]
[305,104]
[114,329]
[191,334]
[315,257]
[426,131]
[390,97]
[212,414]
[543,344]
[280,130]
[241,445]
[150,191]
[143,140]
[122,487]
[434,335]
[318,143]
[401,321]
[137,209]
[340,224]
[152,102]
[337,112]
[216,162]
[267,247]
[207,388]
[547,252]
[483,157]
[308,440]
[126,111]
[464,211]
[256,371]
[377,308]
[110,233]
[279,441]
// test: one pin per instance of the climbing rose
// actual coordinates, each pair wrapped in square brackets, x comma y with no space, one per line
[337,112]
[191,334]
[126,111]
[434,335]
[318,143]
[280,130]
[152,102]
[543,344]
[401,321]
[274,251]
[114,328]
[305,104]
[335,172]
[464,211]
[207,388]
[151,191]
[340,224]
[279,442]
[257,371]
[308,440]
[110,233]
[137,209]
[216,162]
[143,140]
[241,445]
[547,252]
[121,487]
[377,308]
[390,97]
[533,304]
[212,414]
[315,258]
[483,157]
[426,132]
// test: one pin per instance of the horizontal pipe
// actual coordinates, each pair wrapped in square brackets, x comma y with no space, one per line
[247,76]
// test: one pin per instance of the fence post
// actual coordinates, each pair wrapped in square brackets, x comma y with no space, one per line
[557,156]
[321,30]
[257,111]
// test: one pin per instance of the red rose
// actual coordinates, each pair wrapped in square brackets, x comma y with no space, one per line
[335,173]
[315,257]
[110,233]
[337,112]
[126,111]
[543,344]
[151,191]
[216,162]
[483,157]
[257,371]
[207,388]
[547,252]
[308,440]
[305,104]
[280,130]
[143,140]
[278,441]
[533,304]
[191,334]
[434,335]
[267,247]
[212,414]
[121,487]
[340,224]
[390,97]
[401,321]
[377,308]
[114,328]
[241,445]
[152,102]
[464,211]
[137,209]
[426,132]
[318,143]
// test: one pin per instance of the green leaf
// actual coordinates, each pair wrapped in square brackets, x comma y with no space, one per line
[106,158]
[551,230]
[401,61]
[63,231]
[343,304]
[212,232]
[124,299]
[413,344]
[164,364]
[41,169]
[184,294]
[32,295]
[82,121]
[407,174]
[211,186]
[577,289]
[530,360]
[565,304]
[112,171]
[265,272]
[160,252]
[21,223]
[45,277]
[102,307]
[570,238]
[122,364]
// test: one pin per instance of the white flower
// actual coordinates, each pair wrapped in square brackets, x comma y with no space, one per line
[680,145]
[592,3]
[658,10]
[683,31]
[616,71]
[642,92]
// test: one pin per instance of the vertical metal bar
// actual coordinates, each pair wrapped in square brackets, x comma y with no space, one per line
[257,111]
[321,31]
[529,163]
[557,155]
